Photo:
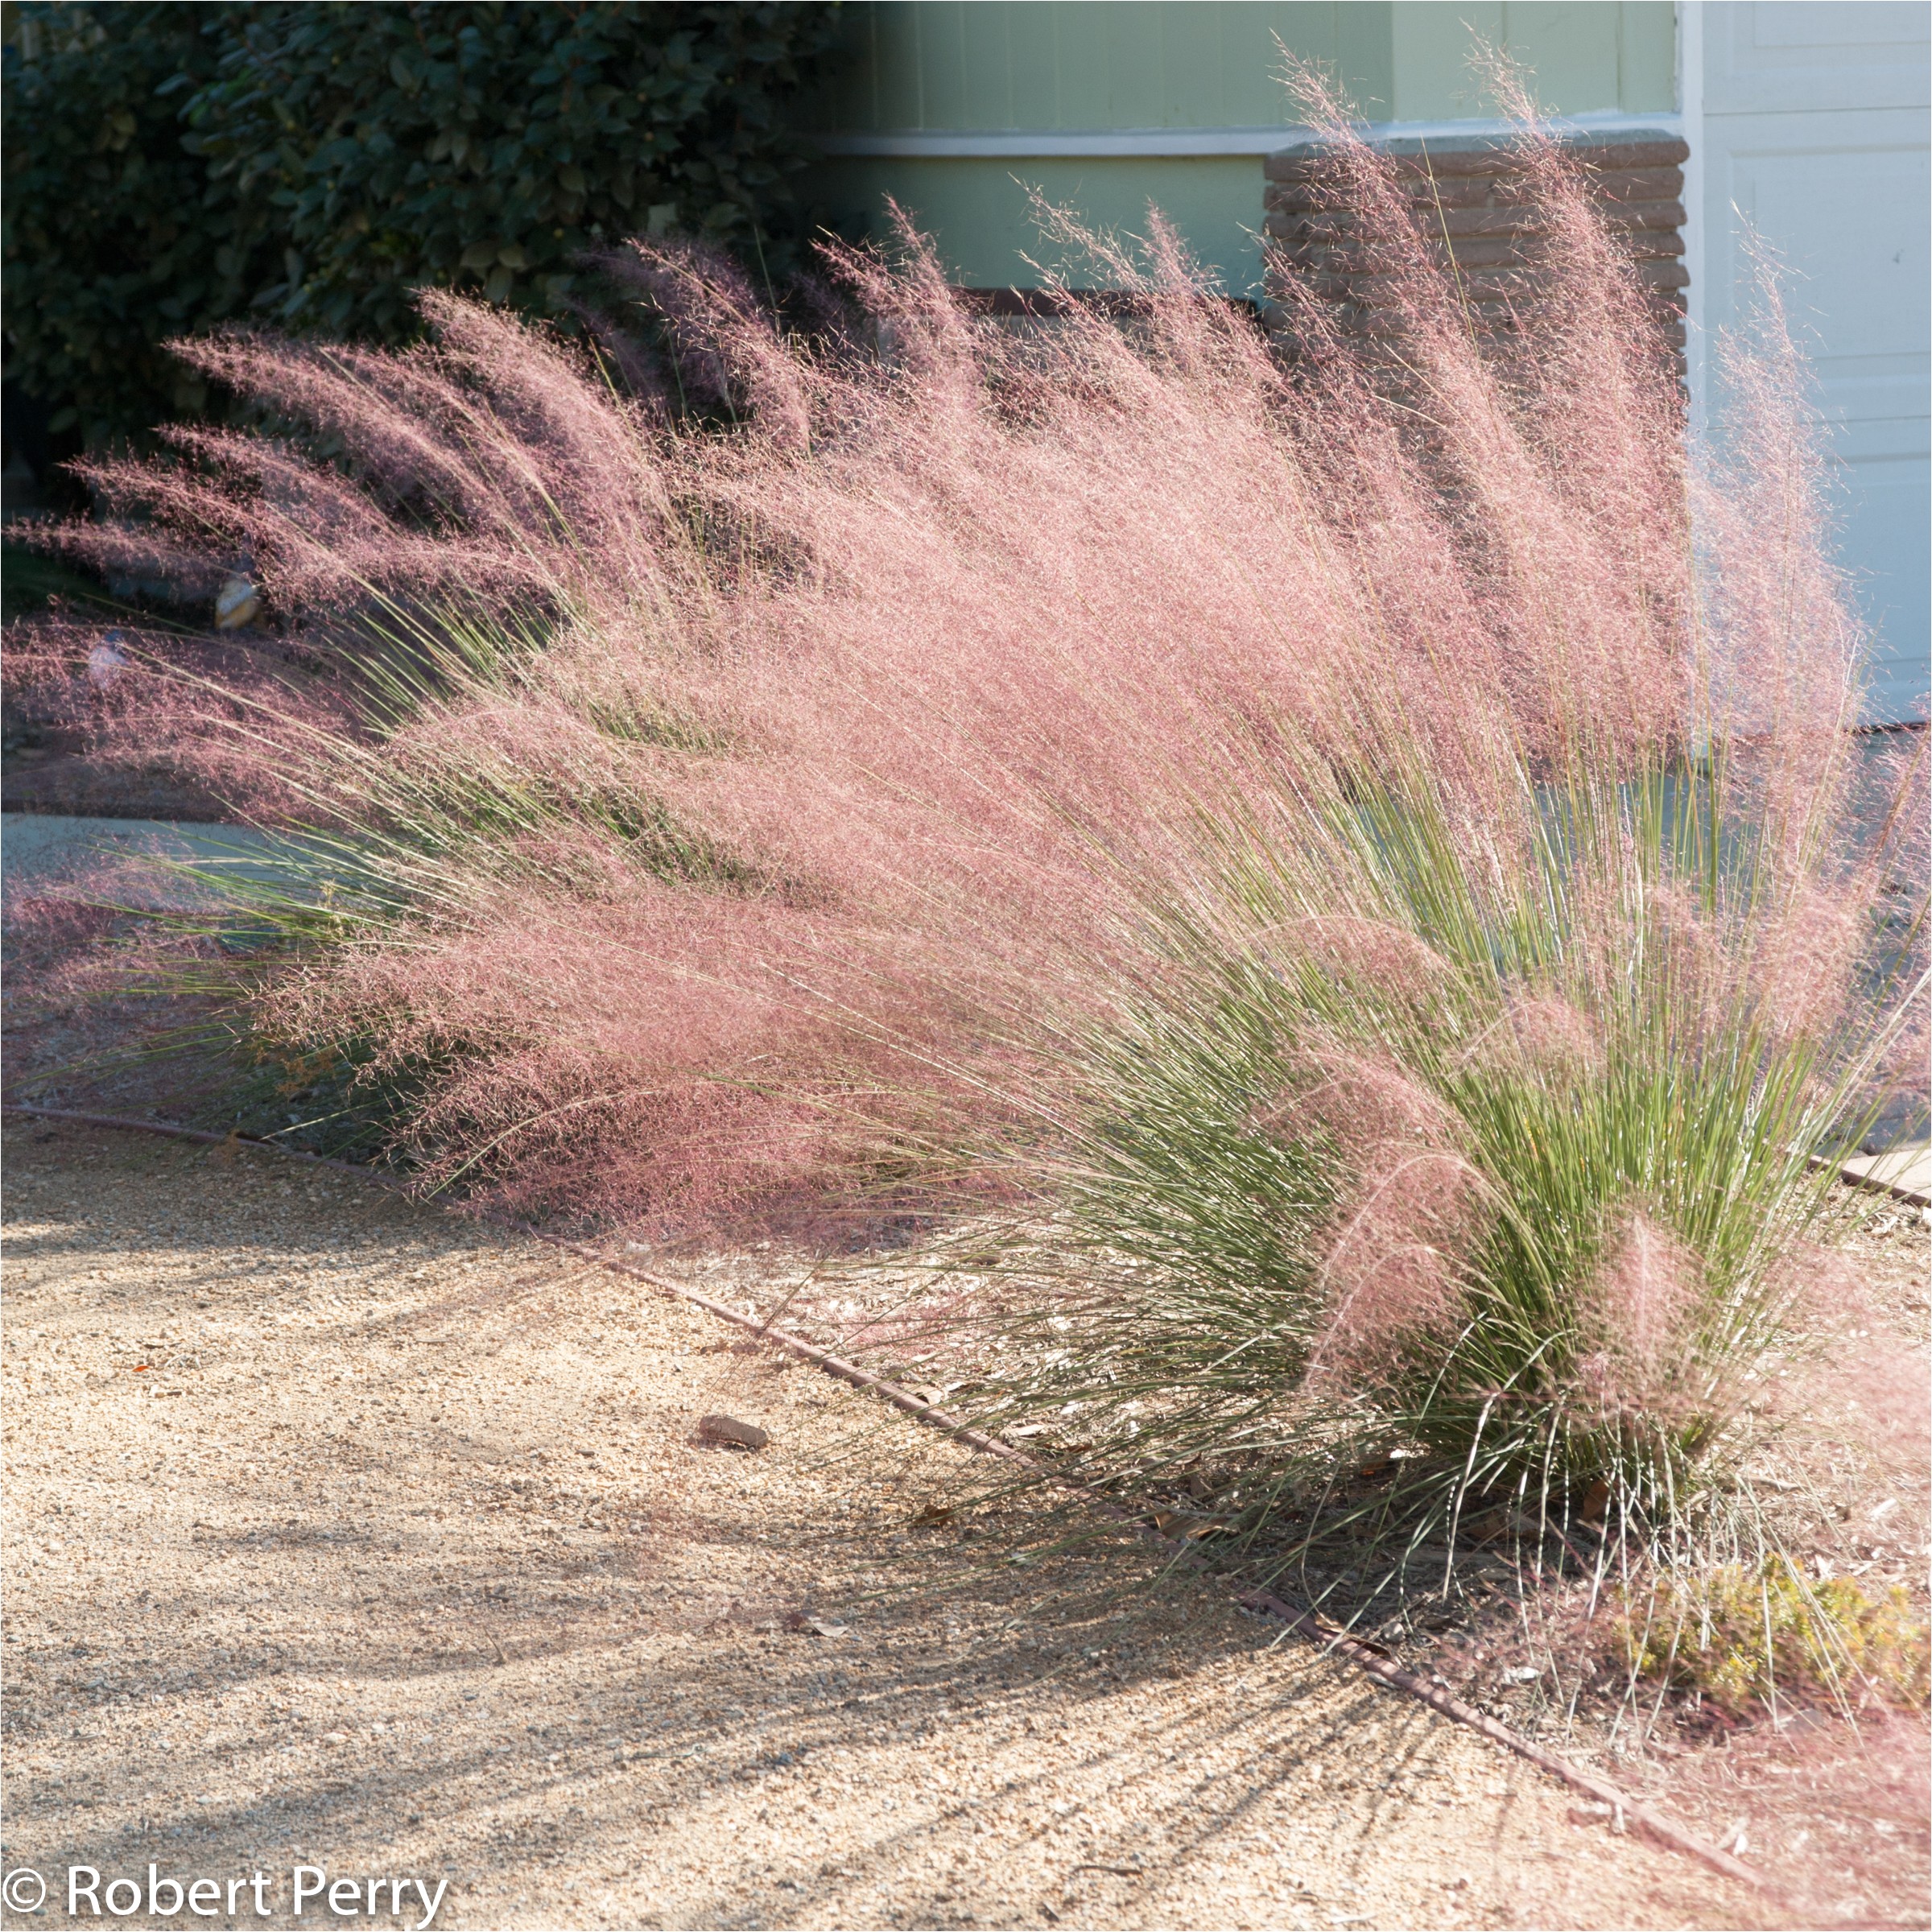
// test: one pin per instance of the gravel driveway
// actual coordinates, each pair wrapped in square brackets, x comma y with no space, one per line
[344,1535]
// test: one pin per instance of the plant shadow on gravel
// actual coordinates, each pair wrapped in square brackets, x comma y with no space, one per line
[545,1705]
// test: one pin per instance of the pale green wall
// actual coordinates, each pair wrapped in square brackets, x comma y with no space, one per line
[1583,57]
[1038,65]
[1043,67]
[978,209]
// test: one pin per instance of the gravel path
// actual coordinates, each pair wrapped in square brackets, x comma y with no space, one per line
[339,1532]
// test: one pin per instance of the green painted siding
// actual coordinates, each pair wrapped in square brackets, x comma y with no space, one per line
[1019,68]
[1043,65]
[1584,57]
[978,211]
[995,65]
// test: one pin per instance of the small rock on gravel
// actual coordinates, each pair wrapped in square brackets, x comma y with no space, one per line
[728,1429]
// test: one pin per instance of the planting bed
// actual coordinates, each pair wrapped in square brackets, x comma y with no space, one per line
[341,1532]
[398,1555]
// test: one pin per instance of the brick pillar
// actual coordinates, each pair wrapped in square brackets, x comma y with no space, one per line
[1460,185]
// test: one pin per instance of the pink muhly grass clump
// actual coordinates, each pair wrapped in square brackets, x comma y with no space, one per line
[1635,1319]
[1393,1267]
[985,766]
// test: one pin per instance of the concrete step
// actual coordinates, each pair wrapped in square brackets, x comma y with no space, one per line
[1905,1172]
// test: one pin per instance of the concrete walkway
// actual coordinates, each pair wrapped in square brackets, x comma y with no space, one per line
[133,862]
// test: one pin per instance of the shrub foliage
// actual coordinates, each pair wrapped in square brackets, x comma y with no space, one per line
[114,243]
[172,167]
[1745,1637]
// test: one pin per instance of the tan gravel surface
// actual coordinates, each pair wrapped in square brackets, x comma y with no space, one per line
[342,1532]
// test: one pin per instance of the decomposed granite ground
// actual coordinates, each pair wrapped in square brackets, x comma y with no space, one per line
[341,1534]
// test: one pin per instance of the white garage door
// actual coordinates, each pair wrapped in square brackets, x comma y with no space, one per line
[1814,129]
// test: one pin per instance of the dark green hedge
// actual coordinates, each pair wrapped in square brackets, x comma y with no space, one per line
[111,244]
[171,167]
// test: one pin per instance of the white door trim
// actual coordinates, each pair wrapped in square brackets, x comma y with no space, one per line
[1690,110]
[968,144]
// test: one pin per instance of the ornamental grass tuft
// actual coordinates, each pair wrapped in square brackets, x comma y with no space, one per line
[1337,894]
